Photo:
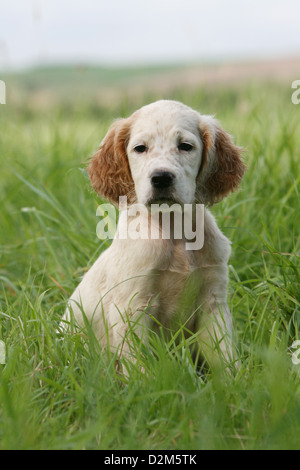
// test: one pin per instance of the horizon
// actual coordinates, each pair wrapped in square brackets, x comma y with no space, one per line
[163,65]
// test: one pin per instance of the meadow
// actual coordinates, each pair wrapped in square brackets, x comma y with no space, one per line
[55,393]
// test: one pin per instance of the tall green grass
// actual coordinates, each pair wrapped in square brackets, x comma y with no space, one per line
[55,392]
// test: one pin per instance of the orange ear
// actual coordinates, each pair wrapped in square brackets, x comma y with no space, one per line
[222,167]
[109,170]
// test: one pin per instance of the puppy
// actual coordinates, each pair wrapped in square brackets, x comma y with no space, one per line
[164,153]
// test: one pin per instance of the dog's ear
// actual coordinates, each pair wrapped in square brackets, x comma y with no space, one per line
[109,169]
[222,167]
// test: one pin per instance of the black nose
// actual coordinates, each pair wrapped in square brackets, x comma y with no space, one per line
[162,179]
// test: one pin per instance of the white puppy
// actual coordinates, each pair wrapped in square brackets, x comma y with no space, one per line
[164,152]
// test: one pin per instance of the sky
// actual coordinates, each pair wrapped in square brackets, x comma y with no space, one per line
[114,32]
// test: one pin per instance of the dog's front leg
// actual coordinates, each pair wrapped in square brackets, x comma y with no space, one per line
[214,322]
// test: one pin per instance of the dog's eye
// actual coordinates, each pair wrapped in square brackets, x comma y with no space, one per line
[185,147]
[140,149]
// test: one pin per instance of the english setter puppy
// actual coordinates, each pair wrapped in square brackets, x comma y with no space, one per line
[164,153]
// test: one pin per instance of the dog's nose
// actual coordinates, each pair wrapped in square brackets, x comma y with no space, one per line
[162,179]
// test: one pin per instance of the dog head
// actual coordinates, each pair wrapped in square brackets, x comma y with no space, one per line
[166,152]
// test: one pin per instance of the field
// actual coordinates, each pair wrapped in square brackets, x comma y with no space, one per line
[55,393]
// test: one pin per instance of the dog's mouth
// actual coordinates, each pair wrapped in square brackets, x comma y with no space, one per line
[169,200]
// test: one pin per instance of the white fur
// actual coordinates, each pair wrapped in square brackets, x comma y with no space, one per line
[160,128]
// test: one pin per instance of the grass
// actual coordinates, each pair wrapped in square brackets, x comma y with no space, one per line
[57,394]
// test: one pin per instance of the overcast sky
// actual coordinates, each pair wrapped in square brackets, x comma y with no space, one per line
[134,31]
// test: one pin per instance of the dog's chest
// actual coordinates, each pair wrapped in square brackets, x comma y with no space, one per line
[177,287]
